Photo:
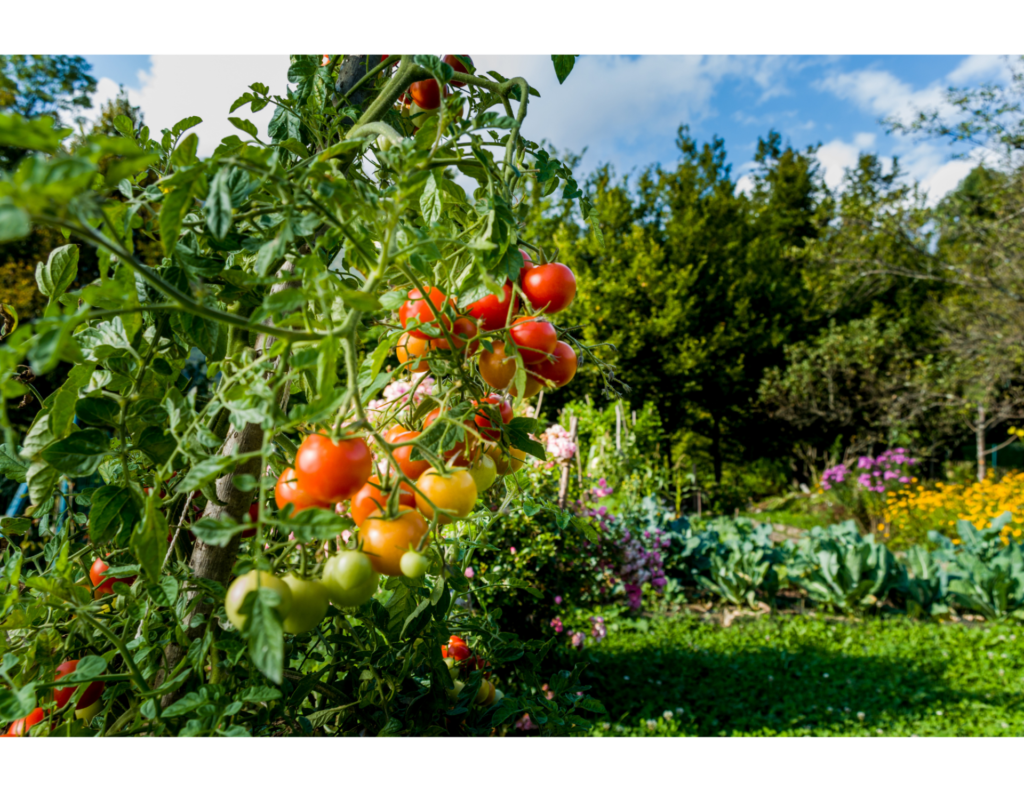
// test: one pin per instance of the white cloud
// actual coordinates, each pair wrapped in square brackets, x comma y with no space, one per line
[882,93]
[177,86]
[980,67]
[837,156]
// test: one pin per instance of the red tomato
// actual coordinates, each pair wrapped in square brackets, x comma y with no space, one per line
[456,640]
[21,727]
[63,694]
[289,491]
[463,330]
[423,310]
[332,471]
[459,651]
[459,63]
[560,369]
[426,94]
[104,586]
[371,497]
[550,288]
[535,338]
[482,419]
[411,469]
[254,516]
[492,313]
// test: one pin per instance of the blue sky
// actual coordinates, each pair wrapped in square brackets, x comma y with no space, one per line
[627,108]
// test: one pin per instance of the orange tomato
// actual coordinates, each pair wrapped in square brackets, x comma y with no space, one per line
[386,540]
[412,348]
[371,497]
[497,368]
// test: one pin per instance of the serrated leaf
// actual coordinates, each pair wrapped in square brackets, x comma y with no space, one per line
[80,454]
[218,204]
[113,511]
[59,272]
[246,126]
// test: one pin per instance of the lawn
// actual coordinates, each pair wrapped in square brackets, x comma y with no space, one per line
[809,676]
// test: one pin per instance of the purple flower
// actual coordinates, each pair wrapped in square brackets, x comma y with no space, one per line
[577,639]
[556,624]
[558,599]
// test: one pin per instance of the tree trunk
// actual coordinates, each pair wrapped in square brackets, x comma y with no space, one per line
[716,447]
[979,436]
[215,563]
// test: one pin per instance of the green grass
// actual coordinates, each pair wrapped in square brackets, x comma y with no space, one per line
[804,675]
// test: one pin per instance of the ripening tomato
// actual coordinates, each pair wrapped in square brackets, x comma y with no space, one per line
[240,588]
[484,695]
[560,369]
[551,288]
[332,471]
[371,497]
[414,565]
[104,585]
[415,349]
[254,517]
[459,652]
[464,330]
[394,431]
[289,491]
[483,416]
[309,604]
[484,472]
[535,338]
[426,94]
[21,727]
[63,694]
[459,63]
[402,456]
[453,492]
[385,540]
[493,313]
[425,311]
[497,368]
[507,462]
[454,639]
[350,579]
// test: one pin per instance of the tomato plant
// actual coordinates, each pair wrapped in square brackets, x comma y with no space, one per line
[301,263]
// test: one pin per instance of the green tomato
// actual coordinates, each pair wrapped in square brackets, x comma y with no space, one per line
[350,579]
[309,604]
[453,671]
[240,588]
[484,472]
[414,565]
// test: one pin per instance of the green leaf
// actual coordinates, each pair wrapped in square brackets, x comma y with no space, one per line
[37,134]
[218,204]
[59,272]
[113,512]
[430,200]
[185,124]
[14,526]
[358,300]
[185,152]
[80,454]
[14,222]
[318,524]
[217,532]
[165,594]
[266,634]
[241,101]
[89,668]
[42,480]
[97,411]
[63,407]
[17,703]
[518,431]
[207,471]
[175,206]
[246,126]
[149,540]
[11,465]
[563,65]
[156,443]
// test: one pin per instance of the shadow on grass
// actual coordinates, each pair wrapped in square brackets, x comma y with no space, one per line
[777,679]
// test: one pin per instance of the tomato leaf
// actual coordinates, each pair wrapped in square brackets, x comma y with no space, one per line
[113,512]
[88,669]
[207,471]
[318,524]
[80,454]
[149,540]
[17,703]
[518,431]
[265,632]
[563,66]
[216,532]
[218,204]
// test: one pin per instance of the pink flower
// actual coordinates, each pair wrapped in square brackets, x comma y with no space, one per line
[512,550]
[558,599]
[577,639]
[524,723]
[470,573]
[556,624]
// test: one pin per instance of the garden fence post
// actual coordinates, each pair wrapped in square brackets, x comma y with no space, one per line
[563,484]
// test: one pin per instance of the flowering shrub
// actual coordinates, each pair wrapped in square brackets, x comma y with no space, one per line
[911,513]
[862,490]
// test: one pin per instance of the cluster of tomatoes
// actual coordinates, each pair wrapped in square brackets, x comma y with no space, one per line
[548,288]
[423,98]
[87,707]
[457,655]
